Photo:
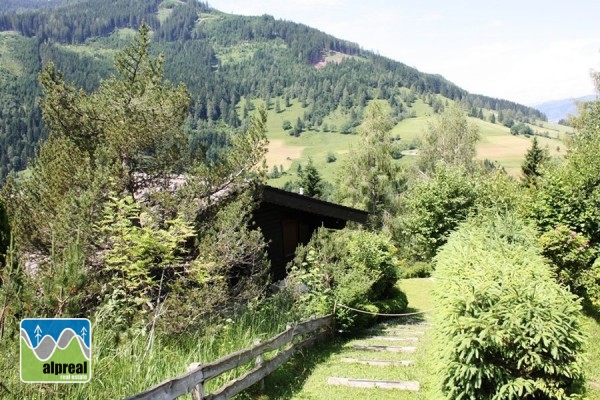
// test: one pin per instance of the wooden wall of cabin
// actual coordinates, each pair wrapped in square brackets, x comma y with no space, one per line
[284,228]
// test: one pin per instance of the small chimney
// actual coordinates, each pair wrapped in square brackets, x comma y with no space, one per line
[301,191]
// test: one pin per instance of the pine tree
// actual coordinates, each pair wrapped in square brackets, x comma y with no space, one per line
[535,158]
[310,180]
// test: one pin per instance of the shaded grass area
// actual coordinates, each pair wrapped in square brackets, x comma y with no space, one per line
[305,376]
[591,325]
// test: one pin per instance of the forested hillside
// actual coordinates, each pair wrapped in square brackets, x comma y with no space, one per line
[21,5]
[221,58]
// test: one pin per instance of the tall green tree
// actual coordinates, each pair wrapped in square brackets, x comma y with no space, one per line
[310,180]
[135,118]
[449,139]
[535,158]
[371,179]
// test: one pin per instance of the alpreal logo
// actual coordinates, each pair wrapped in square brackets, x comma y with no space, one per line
[56,350]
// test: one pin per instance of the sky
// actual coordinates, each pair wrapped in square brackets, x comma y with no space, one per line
[528,51]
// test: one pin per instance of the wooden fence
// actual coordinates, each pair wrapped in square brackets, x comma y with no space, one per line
[193,381]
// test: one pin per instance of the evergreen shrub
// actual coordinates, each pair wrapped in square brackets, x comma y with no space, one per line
[505,328]
[355,268]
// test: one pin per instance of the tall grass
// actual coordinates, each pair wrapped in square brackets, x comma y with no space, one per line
[141,360]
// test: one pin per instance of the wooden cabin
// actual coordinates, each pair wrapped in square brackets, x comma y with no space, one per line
[288,219]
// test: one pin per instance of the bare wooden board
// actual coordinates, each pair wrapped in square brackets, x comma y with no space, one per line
[394,338]
[397,331]
[368,383]
[393,349]
[379,363]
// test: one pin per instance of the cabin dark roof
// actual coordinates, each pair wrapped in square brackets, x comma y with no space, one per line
[311,205]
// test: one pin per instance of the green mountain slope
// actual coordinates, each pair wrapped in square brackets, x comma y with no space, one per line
[221,58]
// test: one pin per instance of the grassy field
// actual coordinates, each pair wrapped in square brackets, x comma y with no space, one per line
[496,143]
[9,66]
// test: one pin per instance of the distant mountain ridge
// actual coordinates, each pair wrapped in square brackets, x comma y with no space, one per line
[17,5]
[556,110]
[224,60]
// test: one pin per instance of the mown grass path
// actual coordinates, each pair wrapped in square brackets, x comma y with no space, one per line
[307,376]
[408,338]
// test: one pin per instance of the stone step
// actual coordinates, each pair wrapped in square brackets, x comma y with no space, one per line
[397,331]
[394,338]
[368,383]
[393,349]
[379,363]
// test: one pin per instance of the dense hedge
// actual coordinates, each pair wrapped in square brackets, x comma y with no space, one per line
[505,328]
[355,268]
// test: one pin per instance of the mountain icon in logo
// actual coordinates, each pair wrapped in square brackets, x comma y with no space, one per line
[55,350]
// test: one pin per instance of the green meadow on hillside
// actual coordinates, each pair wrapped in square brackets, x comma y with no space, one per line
[496,143]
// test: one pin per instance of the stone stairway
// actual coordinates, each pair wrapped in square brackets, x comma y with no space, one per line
[389,345]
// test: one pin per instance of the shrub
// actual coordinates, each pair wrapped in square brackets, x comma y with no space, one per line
[505,328]
[354,268]
[418,269]
[331,157]
[571,254]
[433,208]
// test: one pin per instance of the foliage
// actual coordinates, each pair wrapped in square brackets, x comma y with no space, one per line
[506,329]
[139,254]
[417,269]
[450,139]
[571,254]
[4,233]
[535,158]
[141,134]
[151,358]
[310,180]
[331,157]
[521,129]
[371,179]
[433,208]
[116,180]
[60,200]
[568,194]
[354,268]
[232,257]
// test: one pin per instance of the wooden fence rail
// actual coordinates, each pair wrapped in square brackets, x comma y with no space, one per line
[193,381]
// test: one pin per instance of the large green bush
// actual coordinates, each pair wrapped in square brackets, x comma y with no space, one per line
[354,268]
[433,208]
[572,256]
[505,328]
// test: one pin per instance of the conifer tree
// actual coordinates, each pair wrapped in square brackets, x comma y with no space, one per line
[310,180]
[371,179]
[535,158]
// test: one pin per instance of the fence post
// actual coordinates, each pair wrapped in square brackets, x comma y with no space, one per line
[258,363]
[198,391]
